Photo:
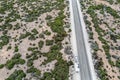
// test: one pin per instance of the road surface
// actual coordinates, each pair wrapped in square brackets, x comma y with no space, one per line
[84,65]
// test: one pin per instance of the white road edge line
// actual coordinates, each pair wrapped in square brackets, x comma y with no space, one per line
[87,44]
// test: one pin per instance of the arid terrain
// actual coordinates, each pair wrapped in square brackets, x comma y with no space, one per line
[34,40]
[102,18]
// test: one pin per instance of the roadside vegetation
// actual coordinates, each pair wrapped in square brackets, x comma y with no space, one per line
[101,21]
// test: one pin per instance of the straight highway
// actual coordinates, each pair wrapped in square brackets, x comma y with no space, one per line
[84,65]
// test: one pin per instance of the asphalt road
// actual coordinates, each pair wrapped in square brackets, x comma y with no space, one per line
[82,53]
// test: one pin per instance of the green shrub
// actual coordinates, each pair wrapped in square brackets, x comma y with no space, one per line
[32,48]
[1,66]
[17,26]
[42,36]
[47,32]
[61,69]
[48,17]
[118,63]
[5,39]
[34,31]
[34,71]
[49,42]
[118,1]
[15,60]
[17,75]
[9,47]
[22,36]
[16,49]
[30,63]
[103,74]
[16,56]
[57,24]
[118,77]
[40,44]
[32,37]
[56,47]
[111,1]
[112,12]
[111,62]
[47,76]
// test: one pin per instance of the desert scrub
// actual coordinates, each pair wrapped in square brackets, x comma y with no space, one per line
[15,60]
[118,63]
[4,40]
[1,66]
[34,71]
[101,7]
[30,35]
[17,75]
[40,44]
[118,1]
[49,42]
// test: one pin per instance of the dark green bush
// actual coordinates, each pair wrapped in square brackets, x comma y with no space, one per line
[118,63]
[17,75]
[1,66]
[49,42]
[34,31]
[40,44]
[34,71]
[15,60]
